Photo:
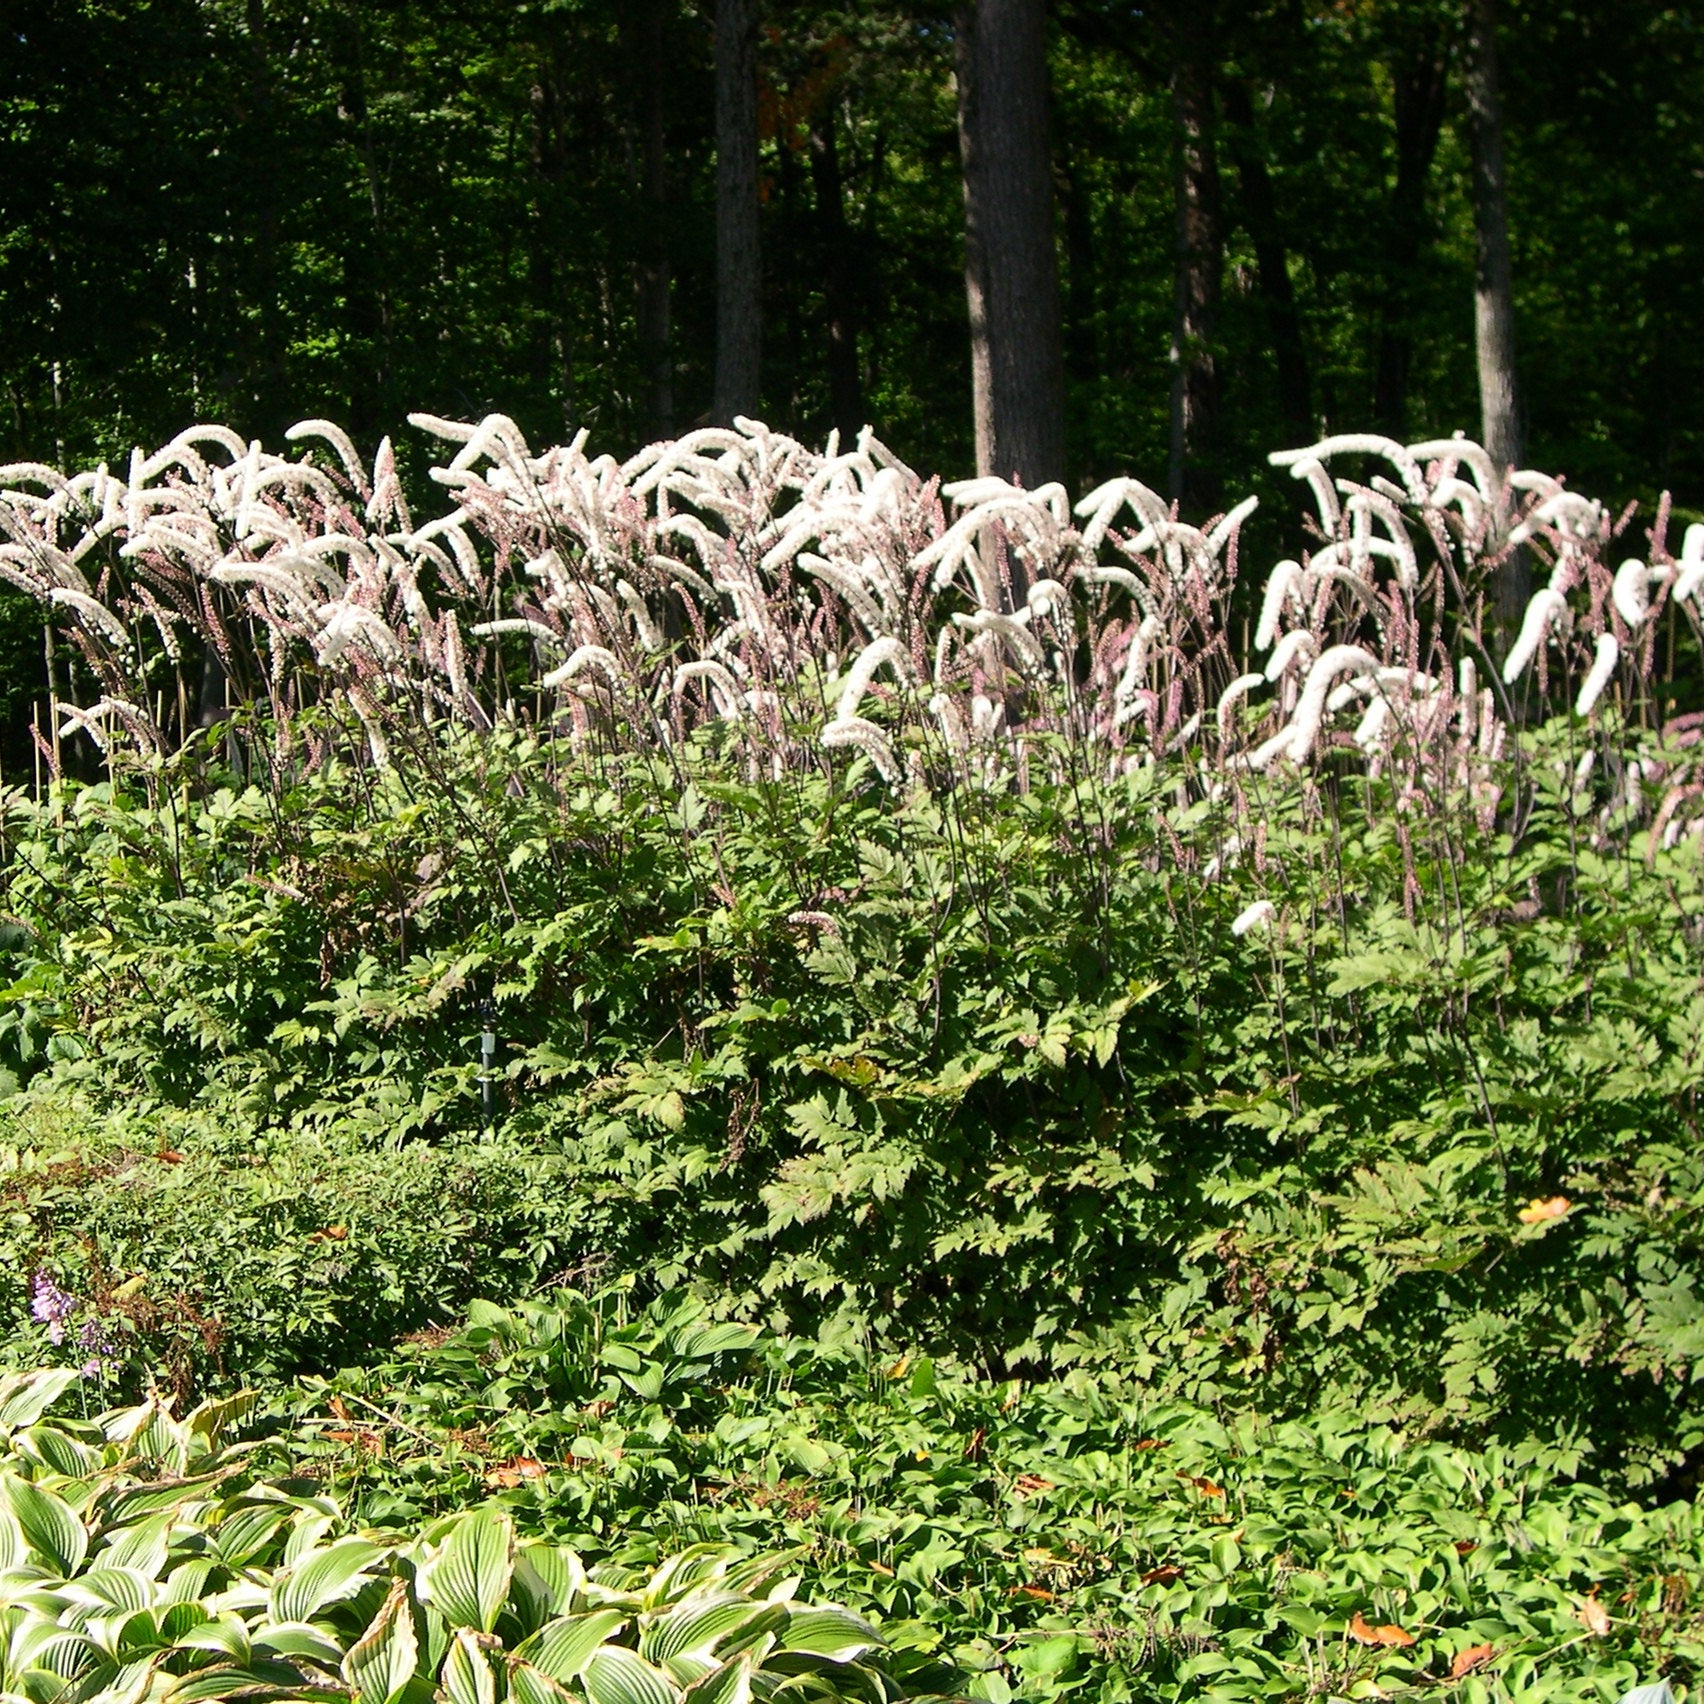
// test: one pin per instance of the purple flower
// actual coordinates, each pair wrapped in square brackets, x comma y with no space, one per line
[50,1306]
[96,1342]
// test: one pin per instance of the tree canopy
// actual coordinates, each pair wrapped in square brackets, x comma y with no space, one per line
[259,210]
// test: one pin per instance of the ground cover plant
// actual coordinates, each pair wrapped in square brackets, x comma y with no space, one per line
[931,925]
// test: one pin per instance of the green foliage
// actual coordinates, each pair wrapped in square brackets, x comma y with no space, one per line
[140,1556]
[988,1073]
[229,1260]
[1081,1536]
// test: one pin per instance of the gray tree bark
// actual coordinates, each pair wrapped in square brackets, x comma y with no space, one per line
[1494,290]
[1011,267]
[739,274]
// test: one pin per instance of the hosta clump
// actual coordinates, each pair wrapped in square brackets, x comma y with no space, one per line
[141,1557]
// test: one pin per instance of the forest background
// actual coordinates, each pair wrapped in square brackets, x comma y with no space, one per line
[256,210]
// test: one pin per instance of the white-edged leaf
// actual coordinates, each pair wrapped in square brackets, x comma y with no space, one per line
[49,1526]
[321,1578]
[528,1685]
[548,1581]
[122,1588]
[468,1580]
[466,1675]
[615,1675]
[728,1684]
[298,1639]
[836,1634]
[227,1636]
[142,1546]
[562,1648]
[702,1628]
[381,1663]
[25,1397]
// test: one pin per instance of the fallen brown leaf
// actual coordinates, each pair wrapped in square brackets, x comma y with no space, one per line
[1475,1656]
[1389,1635]
[517,1469]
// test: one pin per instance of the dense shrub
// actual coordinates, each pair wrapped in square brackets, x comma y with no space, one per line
[998,1075]
[231,1260]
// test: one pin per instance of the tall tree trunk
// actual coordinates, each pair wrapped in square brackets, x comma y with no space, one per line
[1493,291]
[1418,76]
[1195,481]
[841,281]
[739,274]
[655,353]
[1272,267]
[1011,269]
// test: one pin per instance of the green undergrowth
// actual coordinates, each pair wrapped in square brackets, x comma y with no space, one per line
[986,1073]
[1072,1538]
[208,1264]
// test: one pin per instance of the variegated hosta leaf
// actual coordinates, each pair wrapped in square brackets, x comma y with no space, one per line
[140,1548]
[615,1675]
[322,1577]
[836,1634]
[728,1683]
[25,1397]
[528,1685]
[467,1674]
[467,1578]
[50,1528]
[547,1582]
[383,1661]
[562,1648]
[694,1637]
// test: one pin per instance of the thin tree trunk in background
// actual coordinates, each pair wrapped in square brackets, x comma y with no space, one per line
[1418,78]
[1494,291]
[266,270]
[552,347]
[840,279]
[1272,268]
[1011,269]
[739,275]
[366,302]
[655,353]
[1195,481]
